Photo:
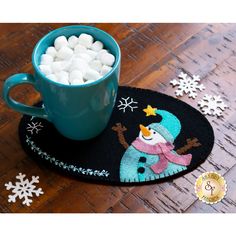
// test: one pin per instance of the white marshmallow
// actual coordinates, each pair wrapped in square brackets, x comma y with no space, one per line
[57,59]
[65,53]
[46,69]
[52,77]
[63,77]
[66,64]
[57,66]
[77,82]
[79,64]
[100,53]
[62,74]
[85,40]
[51,51]
[107,59]
[96,65]
[46,59]
[80,49]
[97,46]
[63,81]
[92,75]
[75,75]
[84,56]
[60,42]
[76,61]
[91,53]
[73,41]
[105,69]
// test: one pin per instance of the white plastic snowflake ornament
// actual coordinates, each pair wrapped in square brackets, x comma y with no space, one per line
[212,105]
[24,189]
[187,85]
[127,103]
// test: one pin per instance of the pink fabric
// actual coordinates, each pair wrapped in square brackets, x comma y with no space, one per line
[164,151]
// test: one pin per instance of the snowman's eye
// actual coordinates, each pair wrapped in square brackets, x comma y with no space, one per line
[149,128]
[154,132]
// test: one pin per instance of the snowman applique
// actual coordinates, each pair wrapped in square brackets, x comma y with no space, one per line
[151,155]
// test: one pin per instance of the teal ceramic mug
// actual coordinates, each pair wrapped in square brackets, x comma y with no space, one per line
[78,112]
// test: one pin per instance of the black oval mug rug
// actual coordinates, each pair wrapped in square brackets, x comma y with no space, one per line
[150,137]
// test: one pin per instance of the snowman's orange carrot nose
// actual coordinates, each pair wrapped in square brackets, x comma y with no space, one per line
[144,130]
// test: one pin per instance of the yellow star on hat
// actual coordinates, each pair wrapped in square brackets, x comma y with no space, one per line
[150,111]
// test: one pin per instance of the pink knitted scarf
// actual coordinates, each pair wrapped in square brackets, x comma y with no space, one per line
[164,151]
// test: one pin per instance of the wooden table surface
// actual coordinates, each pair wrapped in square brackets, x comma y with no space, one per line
[152,55]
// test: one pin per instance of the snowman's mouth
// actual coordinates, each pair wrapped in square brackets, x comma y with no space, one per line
[146,138]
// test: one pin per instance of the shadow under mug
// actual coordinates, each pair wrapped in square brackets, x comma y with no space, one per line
[78,112]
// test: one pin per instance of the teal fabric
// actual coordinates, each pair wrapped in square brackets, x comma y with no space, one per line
[163,131]
[130,164]
[141,176]
[169,128]
[169,123]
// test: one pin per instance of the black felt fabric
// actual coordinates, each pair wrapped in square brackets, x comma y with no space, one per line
[99,159]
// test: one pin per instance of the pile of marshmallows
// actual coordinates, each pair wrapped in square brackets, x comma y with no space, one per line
[76,61]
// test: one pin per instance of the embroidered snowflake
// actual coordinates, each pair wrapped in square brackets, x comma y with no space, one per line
[212,105]
[24,189]
[34,127]
[61,164]
[187,85]
[127,103]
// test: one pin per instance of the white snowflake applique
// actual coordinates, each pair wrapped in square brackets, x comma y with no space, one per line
[212,105]
[34,127]
[127,103]
[187,85]
[23,189]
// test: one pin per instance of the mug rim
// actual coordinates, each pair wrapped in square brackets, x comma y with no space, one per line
[117,59]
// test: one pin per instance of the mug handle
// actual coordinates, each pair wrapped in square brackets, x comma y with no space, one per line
[16,80]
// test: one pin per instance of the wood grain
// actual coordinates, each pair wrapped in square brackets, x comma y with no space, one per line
[152,55]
